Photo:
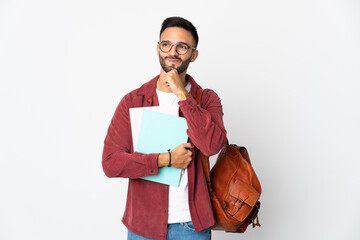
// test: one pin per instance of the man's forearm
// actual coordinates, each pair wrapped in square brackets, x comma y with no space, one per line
[205,125]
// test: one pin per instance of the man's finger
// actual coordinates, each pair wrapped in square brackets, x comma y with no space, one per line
[188,145]
[174,71]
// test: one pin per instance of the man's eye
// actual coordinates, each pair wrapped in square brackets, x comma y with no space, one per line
[183,46]
[165,44]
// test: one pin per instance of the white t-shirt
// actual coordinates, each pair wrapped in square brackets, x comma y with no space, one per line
[178,196]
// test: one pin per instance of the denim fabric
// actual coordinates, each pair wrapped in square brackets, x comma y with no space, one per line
[178,231]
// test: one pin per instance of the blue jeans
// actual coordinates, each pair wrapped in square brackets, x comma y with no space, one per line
[178,231]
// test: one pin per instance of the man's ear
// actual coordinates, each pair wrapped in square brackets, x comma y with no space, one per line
[194,55]
[157,49]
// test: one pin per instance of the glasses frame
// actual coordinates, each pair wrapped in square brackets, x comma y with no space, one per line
[176,44]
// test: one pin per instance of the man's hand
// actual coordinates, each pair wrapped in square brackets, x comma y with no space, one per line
[172,81]
[181,157]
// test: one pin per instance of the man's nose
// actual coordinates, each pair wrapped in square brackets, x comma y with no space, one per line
[173,51]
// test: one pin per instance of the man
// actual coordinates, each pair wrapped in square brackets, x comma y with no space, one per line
[154,210]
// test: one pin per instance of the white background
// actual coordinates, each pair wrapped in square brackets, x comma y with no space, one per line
[287,73]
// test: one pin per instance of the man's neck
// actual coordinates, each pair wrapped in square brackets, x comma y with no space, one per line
[183,78]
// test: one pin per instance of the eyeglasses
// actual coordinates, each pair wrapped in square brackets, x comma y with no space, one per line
[180,48]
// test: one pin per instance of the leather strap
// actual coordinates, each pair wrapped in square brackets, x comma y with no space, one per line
[199,96]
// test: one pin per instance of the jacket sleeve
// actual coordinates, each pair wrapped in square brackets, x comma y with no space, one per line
[118,158]
[205,124]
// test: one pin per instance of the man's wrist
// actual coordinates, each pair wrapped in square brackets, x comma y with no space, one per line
[183,96]
[163,160]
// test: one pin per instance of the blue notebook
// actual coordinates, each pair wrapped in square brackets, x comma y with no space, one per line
[158,133]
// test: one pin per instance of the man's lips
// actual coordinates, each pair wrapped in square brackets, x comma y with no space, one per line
[173,60]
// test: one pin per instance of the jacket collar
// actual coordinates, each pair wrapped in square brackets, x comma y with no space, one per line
[148,89]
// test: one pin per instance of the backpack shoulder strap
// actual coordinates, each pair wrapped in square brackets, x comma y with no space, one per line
[199,96]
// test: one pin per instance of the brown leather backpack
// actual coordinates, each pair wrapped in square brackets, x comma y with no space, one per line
[233,186]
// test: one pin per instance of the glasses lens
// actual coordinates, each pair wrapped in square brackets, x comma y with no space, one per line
[181,48]
[165,46]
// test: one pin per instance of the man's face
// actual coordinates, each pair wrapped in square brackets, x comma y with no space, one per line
[173,60]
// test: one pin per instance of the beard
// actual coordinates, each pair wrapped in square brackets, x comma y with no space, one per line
[182,68]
